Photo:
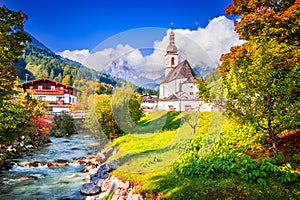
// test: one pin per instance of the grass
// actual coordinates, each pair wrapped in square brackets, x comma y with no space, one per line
[148,156]
[141,153]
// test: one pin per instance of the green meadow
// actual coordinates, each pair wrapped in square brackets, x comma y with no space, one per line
[166,160]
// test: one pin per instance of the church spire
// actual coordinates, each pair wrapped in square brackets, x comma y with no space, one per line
[171,55]
[172,47]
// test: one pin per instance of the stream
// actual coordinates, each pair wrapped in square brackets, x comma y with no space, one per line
[22,182]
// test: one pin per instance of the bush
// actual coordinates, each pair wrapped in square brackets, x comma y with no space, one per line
[229,157]
[64,125]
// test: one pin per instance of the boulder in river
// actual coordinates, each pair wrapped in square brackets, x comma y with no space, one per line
[79,162]
[50,164]
[34,164]
[61,161]
[90,189]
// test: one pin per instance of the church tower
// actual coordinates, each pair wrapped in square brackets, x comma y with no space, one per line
[171,55]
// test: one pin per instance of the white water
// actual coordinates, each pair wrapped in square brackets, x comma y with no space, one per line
[49,183]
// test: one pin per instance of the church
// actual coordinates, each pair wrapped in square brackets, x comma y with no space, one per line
[178,91]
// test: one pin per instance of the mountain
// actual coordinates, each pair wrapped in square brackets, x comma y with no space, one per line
[39,61]
[144,78]
[135,76]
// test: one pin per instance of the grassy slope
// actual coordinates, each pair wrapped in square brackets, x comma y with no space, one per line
[147,161]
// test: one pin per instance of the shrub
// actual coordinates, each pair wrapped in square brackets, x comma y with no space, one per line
[64,125]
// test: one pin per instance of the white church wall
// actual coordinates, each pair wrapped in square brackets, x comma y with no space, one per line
[191,89]
[184,105]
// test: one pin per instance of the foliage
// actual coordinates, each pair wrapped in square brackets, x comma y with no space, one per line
[229,158]
[215,87]
[261,75]
[268,18]
[103,88]
[126,108]
[104,115]
[23,120]
[203,91]
[146,163]
[64,125]
[114,113]
[66,80]
[12,43]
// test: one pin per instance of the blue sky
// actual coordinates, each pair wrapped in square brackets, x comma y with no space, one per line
[78,24]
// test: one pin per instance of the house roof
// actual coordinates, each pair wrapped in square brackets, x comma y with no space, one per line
[43,79]
[181,71]
[172,97]
[149,98]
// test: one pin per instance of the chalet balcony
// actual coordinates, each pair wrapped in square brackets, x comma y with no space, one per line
[45,92]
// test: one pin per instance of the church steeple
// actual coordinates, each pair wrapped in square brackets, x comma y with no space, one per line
[172,47]
[171,53]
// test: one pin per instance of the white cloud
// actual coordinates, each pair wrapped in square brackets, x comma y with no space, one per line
[202,47]
[76,55]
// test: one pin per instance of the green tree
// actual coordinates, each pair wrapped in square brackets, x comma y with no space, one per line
[23,116]
[126,108]
[215,87]
[203,90]
[13,40]
[262,75]
[64,126]
[66,80]
[105,117]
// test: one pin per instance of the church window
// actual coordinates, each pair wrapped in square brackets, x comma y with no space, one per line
[191,93]
[172,61]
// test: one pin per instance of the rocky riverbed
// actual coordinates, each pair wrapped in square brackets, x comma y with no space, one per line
[66,168]
[101,184]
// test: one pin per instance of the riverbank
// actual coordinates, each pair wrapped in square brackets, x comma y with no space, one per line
[100,184]
[16,150]
[48,177]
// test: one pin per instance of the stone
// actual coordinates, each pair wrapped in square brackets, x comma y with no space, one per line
[49,164]
[136,197]
[34,164]
[61,161]
[113,165]
[102,174]
[92,159]
[103,167]
[87,178]
[99,181]
[90,189]
[8,165]
[108,152]
[93,171]
[126,185]
[87,168]
[79,162]
[101,158]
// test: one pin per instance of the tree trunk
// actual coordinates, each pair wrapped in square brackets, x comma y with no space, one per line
[273,138]
[275,149]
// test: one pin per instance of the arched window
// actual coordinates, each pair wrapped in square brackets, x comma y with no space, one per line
[172,61]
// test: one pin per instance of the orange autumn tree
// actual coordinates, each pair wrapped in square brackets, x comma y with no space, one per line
[262,75]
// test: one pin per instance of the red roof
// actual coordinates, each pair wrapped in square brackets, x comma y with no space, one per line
[44,79]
